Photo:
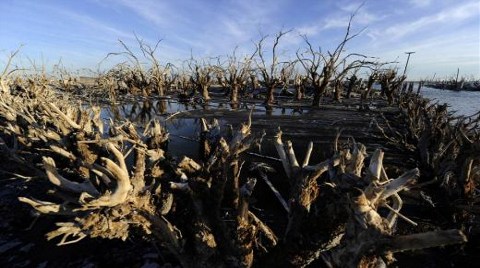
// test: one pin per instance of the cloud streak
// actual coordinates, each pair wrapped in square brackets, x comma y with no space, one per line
[450,15]
[212,28]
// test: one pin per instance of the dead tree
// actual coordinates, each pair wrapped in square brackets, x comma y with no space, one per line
[254,84]
[338,90]
[352,83]
[269,72]
[183,82]
[201,77]
[323,69]
[131,77]
[236,74]
[369,86]
[134,77]
[4,76]
[286,74]
[161,77]
[390,84]
[300,82]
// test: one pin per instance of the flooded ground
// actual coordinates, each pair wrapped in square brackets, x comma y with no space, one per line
[299,123]
[462,102]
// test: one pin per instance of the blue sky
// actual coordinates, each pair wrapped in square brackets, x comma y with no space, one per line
[443,33]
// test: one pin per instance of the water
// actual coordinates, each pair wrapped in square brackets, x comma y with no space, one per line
[185,131]
[462,102]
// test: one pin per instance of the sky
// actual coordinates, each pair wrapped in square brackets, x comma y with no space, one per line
[444,34]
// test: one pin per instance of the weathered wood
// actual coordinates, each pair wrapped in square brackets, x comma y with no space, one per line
[425,240]
[121,182]
[56,179]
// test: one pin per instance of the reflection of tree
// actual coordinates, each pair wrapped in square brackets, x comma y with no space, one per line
[268,109]
[186,106]
[135,111]
[161,106]
[114,112]
[298,110]
[234,105]
[182,123]
[145,111]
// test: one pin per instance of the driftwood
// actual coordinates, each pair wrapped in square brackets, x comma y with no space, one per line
[123,183]
[111,180]
[447,148]
[367,239]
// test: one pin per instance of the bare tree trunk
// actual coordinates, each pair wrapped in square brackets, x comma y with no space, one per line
[160,90]
[299,93]
[205,94]
[318,93]
[351,85]
[338,90]
[299,87]
[270,97]
[234,93]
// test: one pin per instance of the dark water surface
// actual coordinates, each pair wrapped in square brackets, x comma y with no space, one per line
[184,132]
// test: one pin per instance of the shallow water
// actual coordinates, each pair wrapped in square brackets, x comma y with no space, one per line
[185,131]
[462,102]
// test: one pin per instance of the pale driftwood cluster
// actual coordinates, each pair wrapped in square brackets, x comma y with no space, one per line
[87,166]
[111,180]
[359,236]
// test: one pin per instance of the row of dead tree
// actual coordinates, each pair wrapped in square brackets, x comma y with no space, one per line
[312,74]
[109,179]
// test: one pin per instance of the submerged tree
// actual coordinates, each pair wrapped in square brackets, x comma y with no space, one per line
[286,74]
[136,76]
[121,182]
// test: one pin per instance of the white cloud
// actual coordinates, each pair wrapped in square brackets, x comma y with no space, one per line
[153,11]
[440,54]
[335,22]
[362,16]
[308,30]
[420,3]
[95,24]
[449,15]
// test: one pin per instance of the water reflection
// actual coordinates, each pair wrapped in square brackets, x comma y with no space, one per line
[463,102]
[268,110]
[234,106]
[183,135]
[184,131]
[161,106]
